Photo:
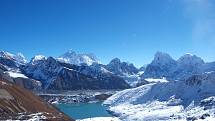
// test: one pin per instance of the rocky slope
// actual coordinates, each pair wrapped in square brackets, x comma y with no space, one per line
[17,103]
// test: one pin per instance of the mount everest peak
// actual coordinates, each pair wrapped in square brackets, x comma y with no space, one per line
[78,59]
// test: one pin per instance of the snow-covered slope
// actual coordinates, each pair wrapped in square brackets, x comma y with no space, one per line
[193,98]
[101,119]
[16,74]
[78,59]
[11,60]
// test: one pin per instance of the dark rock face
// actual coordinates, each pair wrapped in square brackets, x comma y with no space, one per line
[28,83]
[194,80]
[43,70]
[8,62]
[3,68]
[102,97]
[156,71]
[72,80]
[198,79]
[142,82]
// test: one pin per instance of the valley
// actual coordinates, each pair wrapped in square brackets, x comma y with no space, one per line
[107,60]
[84,89]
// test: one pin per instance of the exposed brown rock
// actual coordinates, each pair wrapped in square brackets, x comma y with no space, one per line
[15,100]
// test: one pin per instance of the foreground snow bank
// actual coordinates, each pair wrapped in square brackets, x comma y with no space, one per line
[31,117]
[16,74]
[101,119]
[174,100]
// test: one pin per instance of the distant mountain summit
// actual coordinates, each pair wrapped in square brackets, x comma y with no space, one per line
[37,58]
[84,71]
[163,65]
[162,59]
[78,59]
[56,75]
[125,70]
[121,68]
[189,59]
[19,58]
[187,65]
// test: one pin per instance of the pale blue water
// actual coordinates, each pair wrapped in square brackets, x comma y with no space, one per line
[84,110]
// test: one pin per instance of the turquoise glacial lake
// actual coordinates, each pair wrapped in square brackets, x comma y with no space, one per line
[84,110]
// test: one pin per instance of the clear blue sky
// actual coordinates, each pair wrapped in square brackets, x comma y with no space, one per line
[132,30]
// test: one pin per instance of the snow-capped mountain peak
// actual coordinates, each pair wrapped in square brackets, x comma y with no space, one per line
[121,68]
[115,61]
[190,59]
[161,58]
[164,66]
[18,58]
[37,58]
[78,59]
[7,55]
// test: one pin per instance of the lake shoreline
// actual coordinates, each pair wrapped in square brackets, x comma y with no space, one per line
[70,97]
[84,110]
[75,100]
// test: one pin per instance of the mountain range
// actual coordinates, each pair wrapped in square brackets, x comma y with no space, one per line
[73,71]
[164,65]
[165,89]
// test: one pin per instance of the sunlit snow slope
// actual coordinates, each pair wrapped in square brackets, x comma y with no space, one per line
[168,100]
